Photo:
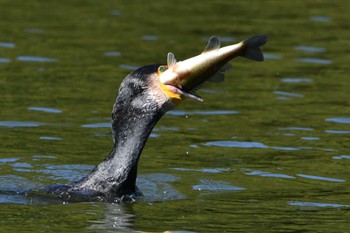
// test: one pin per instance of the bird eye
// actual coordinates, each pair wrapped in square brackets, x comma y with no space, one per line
[161,69]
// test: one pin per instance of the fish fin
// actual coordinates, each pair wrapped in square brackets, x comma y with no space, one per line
[213,44]
[220,75]
[253,50]
[171,60]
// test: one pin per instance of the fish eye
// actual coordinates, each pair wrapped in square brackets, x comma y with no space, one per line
[161,69]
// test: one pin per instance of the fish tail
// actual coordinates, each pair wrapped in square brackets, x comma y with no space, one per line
[252,47]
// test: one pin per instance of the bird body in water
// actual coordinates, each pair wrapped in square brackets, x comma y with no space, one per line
[144,97]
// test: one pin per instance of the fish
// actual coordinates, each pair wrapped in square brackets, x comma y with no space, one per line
[185,77]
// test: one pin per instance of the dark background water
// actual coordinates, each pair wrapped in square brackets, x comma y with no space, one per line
[268,150]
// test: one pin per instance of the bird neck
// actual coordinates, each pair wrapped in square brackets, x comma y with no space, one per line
[116,175]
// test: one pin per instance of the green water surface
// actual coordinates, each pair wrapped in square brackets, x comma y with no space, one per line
[267,151]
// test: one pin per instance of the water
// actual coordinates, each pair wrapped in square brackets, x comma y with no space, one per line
[267,151]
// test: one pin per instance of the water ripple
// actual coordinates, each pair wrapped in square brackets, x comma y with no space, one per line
[185,113]
[310,49]
[227,39]
[20,124]
[341,157]
[44,109]
[36,59]
[315,60]
[112,54]
[4,60]
[296,80]
[297,128]
[98,125]
[8,160]
[288,94]
[337,131]
[212,185]
[50,138]
[128,67]
[204,170]
[310,138]
[272,56]
[150,37]
[321,178]
[285,148]
[115,12]
[315,204]
[7,45]
[322,19]
[237,144]
[268,174]
[342,120]
[34,30]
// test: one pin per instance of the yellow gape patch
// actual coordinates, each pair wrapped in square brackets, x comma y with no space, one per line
[174,97]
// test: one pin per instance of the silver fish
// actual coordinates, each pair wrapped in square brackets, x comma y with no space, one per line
[184,77]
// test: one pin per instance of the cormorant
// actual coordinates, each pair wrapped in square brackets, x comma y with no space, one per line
[144,97]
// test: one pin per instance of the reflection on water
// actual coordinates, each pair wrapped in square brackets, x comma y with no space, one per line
[115,217]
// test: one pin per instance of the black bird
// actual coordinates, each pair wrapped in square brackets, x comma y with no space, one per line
[144,97]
